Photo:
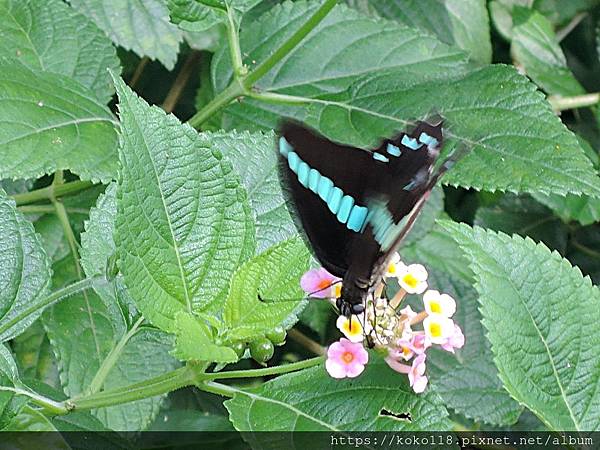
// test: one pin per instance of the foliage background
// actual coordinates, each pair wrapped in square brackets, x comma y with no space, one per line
[132,247]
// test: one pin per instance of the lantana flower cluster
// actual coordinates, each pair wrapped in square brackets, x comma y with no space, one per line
[402,335]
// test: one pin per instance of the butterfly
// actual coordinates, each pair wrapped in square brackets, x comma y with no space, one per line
[355,205]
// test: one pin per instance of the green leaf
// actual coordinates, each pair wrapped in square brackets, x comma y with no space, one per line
[317,316]
[50,36]
[143,27]
[49,122]
[559,12]
[24,270]
[98,254]
[526,217]
[97,243]
[501,15]
[442,252]
[52,236]
[541,315]
[274,276]
[321,403]
[30,419]
[34,355]
[254,159]
[195,341]
[494,111]
[10,403]
[183,221]
[200,15]
[580,208]
[357,96]
[583,209]
[328,61]
[192,15]
[82,332]
[468,382]
[536,48]
[8,366]
[457,22]
[191,420]
[146,355]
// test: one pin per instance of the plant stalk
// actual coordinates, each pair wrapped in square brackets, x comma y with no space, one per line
[51,406]
[51,191]
[559,103]
[243,82]
[111,359]
[176,379]
[290,44]
[183,76]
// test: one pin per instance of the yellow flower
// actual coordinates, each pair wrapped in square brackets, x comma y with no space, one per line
[351,328]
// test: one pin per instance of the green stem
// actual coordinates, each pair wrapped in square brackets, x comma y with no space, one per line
[235,51]
[54,297]
[138,71]
[275,370]
[579,101]
[582,248]
[564,32]
[176,379]
[63,217]
[283,99]
[243,83]
[150,388]
[306,342]
[111,359]
[290,44]
[51,406]
[224,98]
[218,388]
[51,191]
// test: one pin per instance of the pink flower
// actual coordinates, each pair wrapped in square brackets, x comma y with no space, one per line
[346,359]
[455,340]
[319,283]
[420,343]
[402,349]
[416,376]
[396,365]
[406,348]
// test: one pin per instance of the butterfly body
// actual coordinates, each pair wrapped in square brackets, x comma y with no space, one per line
[355,205]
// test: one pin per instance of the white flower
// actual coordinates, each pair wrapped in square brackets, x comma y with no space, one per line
[412,278]
[438,328]
[351,328]
[392,269]
[436,303]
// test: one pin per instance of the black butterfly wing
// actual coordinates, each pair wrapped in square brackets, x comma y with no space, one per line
[316,173]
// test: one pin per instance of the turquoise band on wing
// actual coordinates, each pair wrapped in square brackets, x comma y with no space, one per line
[380,157]
[343,206]
[393,150]
[411,142]
[384,228]
[428,140]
